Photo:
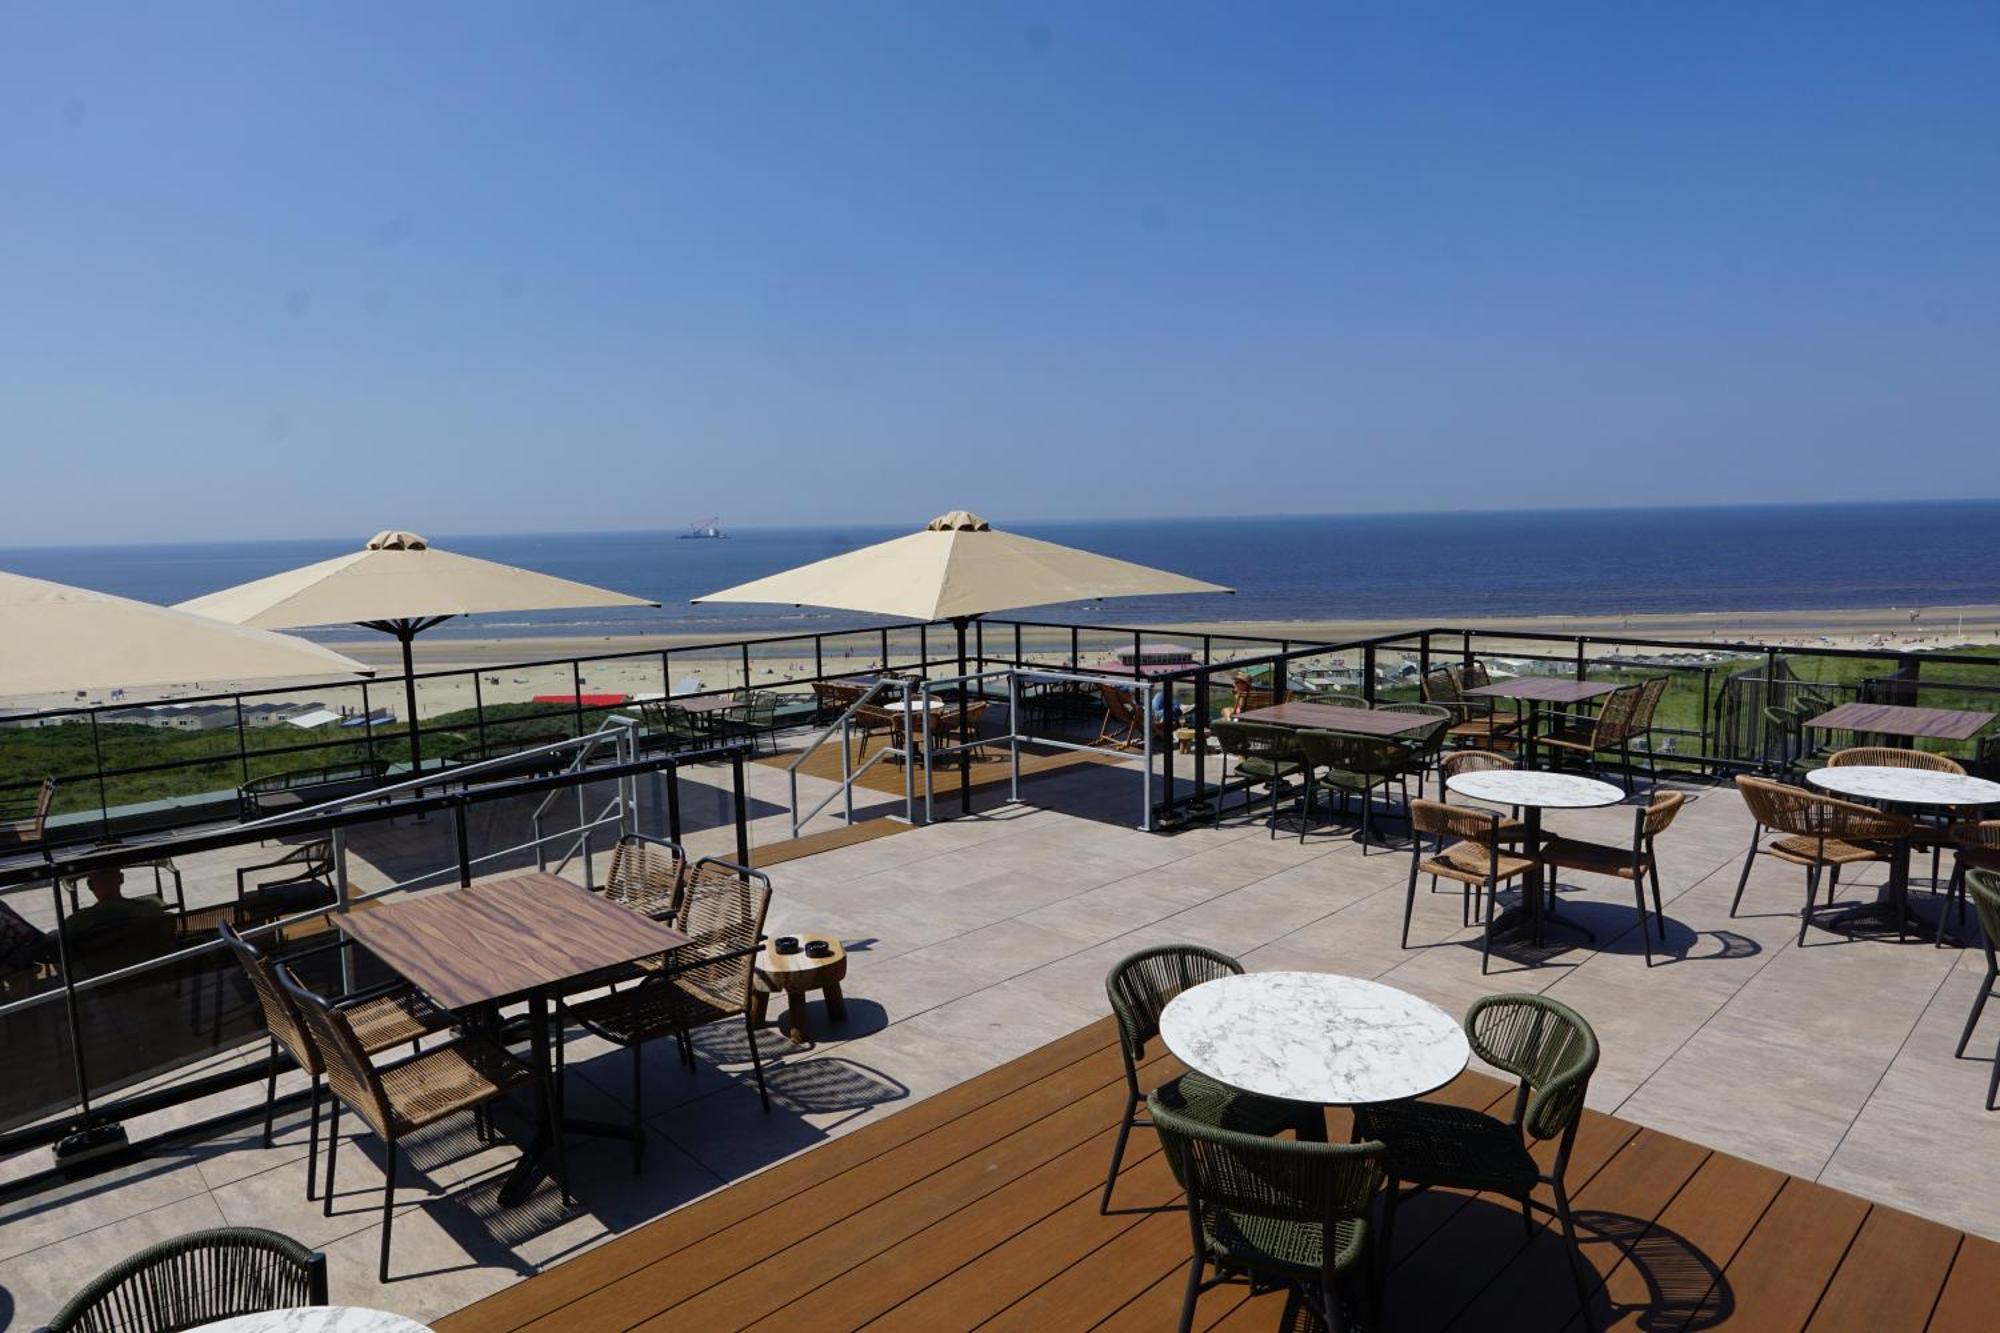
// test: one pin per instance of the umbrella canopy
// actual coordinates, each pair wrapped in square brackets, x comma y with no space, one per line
[958,566]
[54,638]
[397,576]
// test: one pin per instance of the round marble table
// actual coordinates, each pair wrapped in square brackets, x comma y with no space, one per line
[1917,788]
[1532,792]
[1315,1037]
[316,1319]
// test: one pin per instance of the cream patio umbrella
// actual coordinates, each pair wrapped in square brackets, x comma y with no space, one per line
[956,568]
[398,584]
[58,639]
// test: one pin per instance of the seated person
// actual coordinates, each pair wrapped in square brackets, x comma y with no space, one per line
[115,931]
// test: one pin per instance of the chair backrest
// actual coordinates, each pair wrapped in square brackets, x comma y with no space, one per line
[195,1280]
[32,821]
[1472,761]
[646,876]
[1472,676]
[1140,985]
[722,914]
[1231,1177]
[1982,885]
[1257,740]
[1337,698]
[1614,719]
[348,1071]
[1352,752]
[1650,692]
[281,1016]
[1544,1043]
[1441,686]
[1886,756]
[1427,710]
[1661,812]
[1430,741]
[1452,821]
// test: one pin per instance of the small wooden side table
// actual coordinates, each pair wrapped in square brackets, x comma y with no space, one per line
[797,973]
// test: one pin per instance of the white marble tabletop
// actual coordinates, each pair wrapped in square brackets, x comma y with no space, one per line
[1527,787]
[317,1319]
[1315,1037]
[924,703]
[1906,786]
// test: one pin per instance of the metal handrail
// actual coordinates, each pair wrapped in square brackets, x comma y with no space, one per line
[844,725]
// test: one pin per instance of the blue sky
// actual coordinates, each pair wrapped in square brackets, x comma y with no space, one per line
[308,270]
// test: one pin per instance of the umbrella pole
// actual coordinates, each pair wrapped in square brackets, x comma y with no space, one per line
[964,725]
[407,632]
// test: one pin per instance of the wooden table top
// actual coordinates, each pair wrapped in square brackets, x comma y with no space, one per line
[1545,689]
[1946,724]
[504,938]
[1339,717]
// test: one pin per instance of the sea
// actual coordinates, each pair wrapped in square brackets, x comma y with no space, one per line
[1442,566]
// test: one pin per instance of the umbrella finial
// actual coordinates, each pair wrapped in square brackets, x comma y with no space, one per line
[394,539]
[959,520]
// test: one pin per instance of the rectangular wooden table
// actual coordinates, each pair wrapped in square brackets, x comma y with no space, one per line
[1945,724]
[1339,717]
[499,940]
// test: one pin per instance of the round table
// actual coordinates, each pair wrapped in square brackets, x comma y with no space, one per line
[316,1319]
[797,973]
[1315,1037]
[1532,792]
[1918,788]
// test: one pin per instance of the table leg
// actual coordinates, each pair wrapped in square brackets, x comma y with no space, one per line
[795,1018]
[836,1003]
[1891,906]
[521,1180]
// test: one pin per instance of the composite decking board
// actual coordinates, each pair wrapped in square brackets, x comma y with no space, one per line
[826,840]
[723,1258]
[1890,1278]
[1776,1278]
[886,777]
[524,1302]
[1710,1218]
[835,1248]
[1972,1290]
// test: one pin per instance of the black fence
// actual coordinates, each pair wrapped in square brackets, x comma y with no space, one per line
[99,1027]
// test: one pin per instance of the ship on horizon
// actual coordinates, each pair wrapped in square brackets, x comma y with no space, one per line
[708,529]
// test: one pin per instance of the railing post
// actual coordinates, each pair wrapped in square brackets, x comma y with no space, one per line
[103,793]
[819,656]
[479,709]
[1073,654]
[576,694]
[242,741]
[463,841]
[1579,657]
[342,901]
[673,784]
[1368,673]
[736,791]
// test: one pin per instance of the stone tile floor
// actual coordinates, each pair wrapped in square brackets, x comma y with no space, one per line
[976,940]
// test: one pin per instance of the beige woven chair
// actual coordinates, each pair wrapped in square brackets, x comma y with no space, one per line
[1478,723]
[1976,844]
[398,1099]
[381,1019]
[1821,833]
[24,823]
[1479,761]
[647,875]
[1639,863]
[1627,713]
[1925,835]
[707,980]
[1475,859]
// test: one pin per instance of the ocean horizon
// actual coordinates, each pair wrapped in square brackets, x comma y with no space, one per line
[1570,562]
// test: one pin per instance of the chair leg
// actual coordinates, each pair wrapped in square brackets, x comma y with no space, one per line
[1812,892]
[271,1093]
[1744,878]
[638,1118]
[757,1062]
[1659,912]
[1645,934]
[1486,939]
[1193,1295]
[1576,1272]
[312,1143]
[388,1207]
[1978,1005]
[1410,900]
[1993,1084]
[332,1156]
[1118,1152]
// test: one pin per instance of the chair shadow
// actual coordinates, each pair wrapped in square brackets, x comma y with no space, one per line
[1685,1289]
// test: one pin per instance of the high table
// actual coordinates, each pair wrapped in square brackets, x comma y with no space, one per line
[1532,793]
[1535,691]
[1340,717]
[1901,722]
[1315,1037]
[1916,789]
[474,949]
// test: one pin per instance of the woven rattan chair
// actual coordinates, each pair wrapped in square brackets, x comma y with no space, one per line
[1271,1210]
[647,875]
[301,880]
[671,726]
[1610,730]
[1821,833]
[1639,863]
[1479,761]
[1553,1052]
[23,822]
[1353,764]
[1427,746]
[1976,846]
[1477,722]
[1263,754]
[417,1091]
[1474,858]
[707,980]
[194,1280]
[1982,884]
[1925,834]
[381,1019]
[1140,986]
[1334,698]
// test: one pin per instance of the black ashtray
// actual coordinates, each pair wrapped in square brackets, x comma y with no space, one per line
[819,949]
[785,944]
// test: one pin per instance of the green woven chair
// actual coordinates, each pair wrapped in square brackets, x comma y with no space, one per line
[1140,987]
[1353,764]
[1336,698]
[1552,1050]
[1983,887]
[1263,754]
[1273,1211]
[200,1278]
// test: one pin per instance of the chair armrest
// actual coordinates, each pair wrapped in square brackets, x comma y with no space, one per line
[368,993]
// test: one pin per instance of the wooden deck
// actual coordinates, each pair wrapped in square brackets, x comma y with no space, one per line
[887,776]
[978,1208]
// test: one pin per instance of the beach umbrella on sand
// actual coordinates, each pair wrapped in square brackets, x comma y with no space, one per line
[55,638]
[956,568]
[398,584]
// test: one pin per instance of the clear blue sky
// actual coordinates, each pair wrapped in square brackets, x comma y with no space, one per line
[275,270]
